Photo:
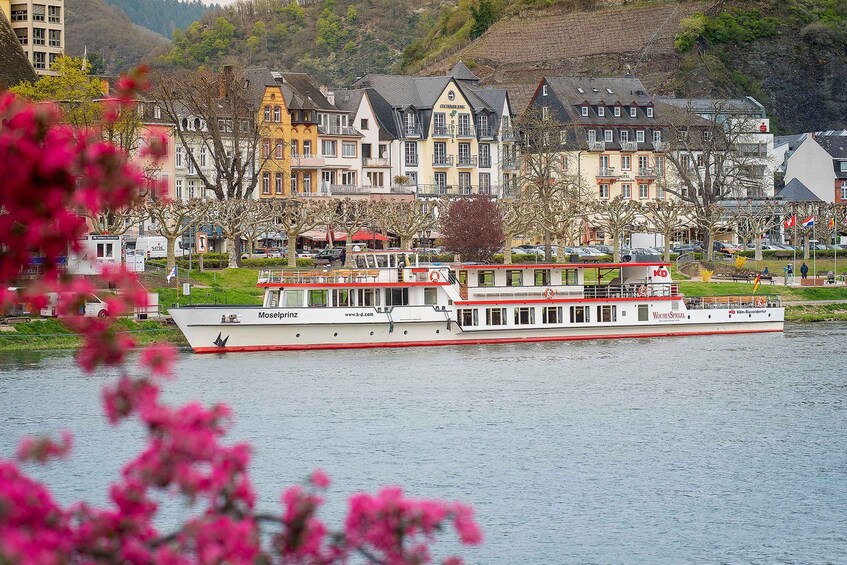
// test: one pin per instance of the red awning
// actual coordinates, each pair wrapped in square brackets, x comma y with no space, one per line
[368,235]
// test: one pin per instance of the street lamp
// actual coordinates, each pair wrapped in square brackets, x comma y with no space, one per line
[427,234]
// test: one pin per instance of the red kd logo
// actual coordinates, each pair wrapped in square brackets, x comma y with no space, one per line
[660,272]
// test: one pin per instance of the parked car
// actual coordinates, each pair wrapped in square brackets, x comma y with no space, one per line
[305,254]
[331,255]
[603,249]
[683,248]
[724,247]
[592,252]
[93,307]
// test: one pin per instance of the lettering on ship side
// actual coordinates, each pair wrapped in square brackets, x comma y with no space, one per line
[668,316]
[277,315]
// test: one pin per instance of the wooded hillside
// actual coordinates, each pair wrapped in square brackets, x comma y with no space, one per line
[162,16]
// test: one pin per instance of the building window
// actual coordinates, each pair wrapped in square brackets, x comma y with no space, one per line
[660,165]
[607,313]
[608,135]
[191,184]
[592,136]
[307,182]
[604,191]
[657,136]
[843,166]
[707,135]
[178,156]
[844,190]
[495,316]
[37,36]
[439,123]
[624,135]
[649,111]
[639,136]
[348,149]
[484,155]
[55,38]
[54,14]
[179,189]
[617,111]
[23,35]
[266,148]
[266,183]
[349,178]
[544,90]
[585,111]
[203,156]
[580,314]
[267,113]
[551,315]
[278,181]
[411,152]
[292,181]
[278,149]
[485,183]
[467,317]
[374,178]
[277,114]
[294,146]
[626,190]
[411,124]
[601,111]
[626,162]
[363,124]
[39,60]
[633,112]
[329,148]
[19,13]
[643,191]
[307,148]
[524,316]
[643,164]
[38,12]
[545,113]
[441,182]
[157,112]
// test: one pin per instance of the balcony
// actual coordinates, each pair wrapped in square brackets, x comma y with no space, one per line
[306,161]
[607,173]
[465,131]
[466,160]
[455,191]
[596,145]
[442,160]
[661,146]
[411,160]
[646,173]
[485,162]
[442,130]
[629,146]
[508,134]
[485,132]
[376,162]
[511,164]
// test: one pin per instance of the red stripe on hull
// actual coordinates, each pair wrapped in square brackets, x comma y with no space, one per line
[562,300]
[485,341]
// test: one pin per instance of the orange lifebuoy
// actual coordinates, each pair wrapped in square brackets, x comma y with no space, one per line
[641,292]
[760,301]
[548,293]
[433,276]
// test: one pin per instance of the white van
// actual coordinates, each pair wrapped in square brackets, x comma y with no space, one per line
[156,247]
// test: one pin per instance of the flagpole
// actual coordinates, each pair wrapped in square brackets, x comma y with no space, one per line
[794,266]
[835,247]
[814,252]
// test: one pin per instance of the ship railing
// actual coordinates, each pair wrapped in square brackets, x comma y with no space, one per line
[319,276]
[724,302]
[650,290]
[526,293]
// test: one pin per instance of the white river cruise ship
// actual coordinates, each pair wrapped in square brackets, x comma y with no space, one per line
[389,299]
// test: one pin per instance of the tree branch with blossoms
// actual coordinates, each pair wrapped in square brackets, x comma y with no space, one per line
[50,172]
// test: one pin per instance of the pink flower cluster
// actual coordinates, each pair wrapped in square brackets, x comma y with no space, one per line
[50,173]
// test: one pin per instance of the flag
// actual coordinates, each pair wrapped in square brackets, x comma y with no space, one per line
[756,283]
[832,222]
[789,223]
[172,274]
[808,222]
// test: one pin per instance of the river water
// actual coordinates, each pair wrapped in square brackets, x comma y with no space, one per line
[695,449]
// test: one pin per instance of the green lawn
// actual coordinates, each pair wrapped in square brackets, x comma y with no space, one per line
[52,334]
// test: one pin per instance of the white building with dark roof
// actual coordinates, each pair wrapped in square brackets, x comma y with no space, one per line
[819,162]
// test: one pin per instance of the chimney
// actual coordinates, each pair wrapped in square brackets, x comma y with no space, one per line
[328,94]
[225,81]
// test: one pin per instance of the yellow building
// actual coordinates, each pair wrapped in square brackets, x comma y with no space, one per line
[40,29]
[274,122]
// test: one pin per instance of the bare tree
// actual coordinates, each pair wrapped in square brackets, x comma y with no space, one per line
[407,218]
[546,172]
[351,215]
[562,219]
[753,219]
[518,217]
[614,217]
[294,216]
[667,217]
[117,222]
[215,118]
[258,219]
[710,160]
[172,218]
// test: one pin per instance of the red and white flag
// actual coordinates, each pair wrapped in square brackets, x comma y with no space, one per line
[790,222]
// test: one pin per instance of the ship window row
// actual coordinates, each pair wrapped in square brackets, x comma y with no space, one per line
[526,315]
[522,277]
[362,297]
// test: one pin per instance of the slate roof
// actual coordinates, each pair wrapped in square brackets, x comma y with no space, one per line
[574,92]
[834,143]
[749,105]
[305,93]
[796,191]
[793,141]
[404,91]
[257,79]
[460,71]
[15,67]
[349,100]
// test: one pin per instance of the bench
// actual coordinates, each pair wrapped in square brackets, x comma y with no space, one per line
[745,278]
[813,281]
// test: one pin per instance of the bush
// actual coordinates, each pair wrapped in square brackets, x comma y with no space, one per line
[706,275]
[268,262]
[740,261]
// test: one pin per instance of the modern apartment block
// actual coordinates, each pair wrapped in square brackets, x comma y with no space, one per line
[449,136]
[40,28]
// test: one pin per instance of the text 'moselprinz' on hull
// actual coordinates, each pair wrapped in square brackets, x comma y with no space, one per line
[389,299]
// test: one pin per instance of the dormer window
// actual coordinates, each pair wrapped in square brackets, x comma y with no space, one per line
[633,112]
[544,90]
[617,111]
[649,111]
[843,166]
[601,111]
[585,111]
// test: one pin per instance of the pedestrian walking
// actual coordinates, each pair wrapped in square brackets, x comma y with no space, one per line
[804,270]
